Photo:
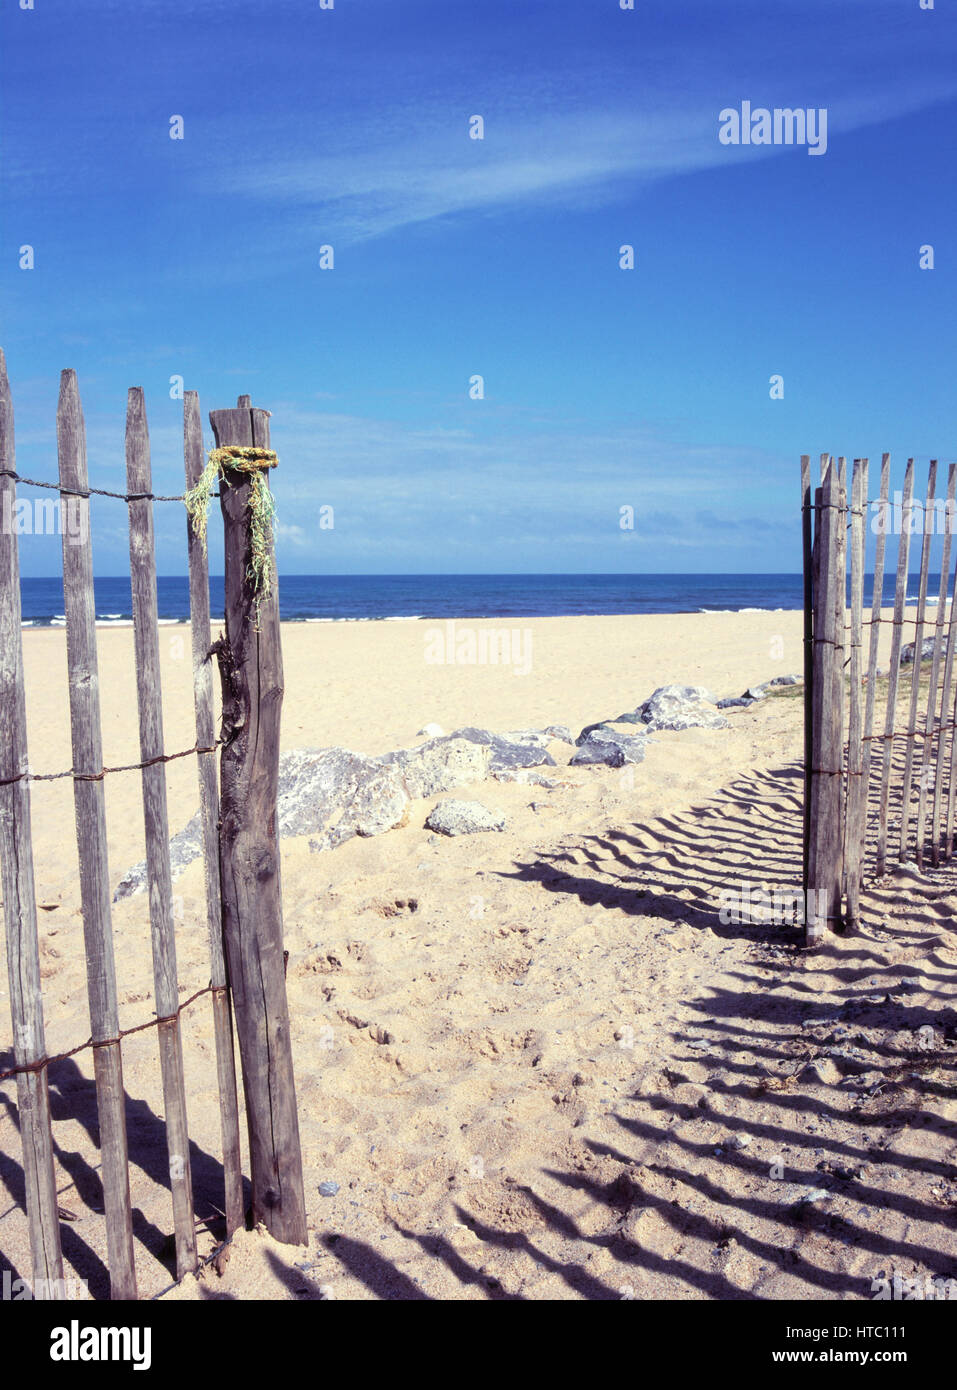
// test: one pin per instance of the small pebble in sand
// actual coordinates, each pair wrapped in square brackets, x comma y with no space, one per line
[328,1189]
[822,1070]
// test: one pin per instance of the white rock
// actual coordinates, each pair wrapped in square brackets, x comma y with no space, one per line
[463,818]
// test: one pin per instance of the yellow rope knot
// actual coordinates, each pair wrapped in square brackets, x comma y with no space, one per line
[239,458]
[243,458]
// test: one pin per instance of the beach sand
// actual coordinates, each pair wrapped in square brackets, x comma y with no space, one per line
[536,1062]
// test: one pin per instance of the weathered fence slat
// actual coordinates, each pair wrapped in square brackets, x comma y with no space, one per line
[911,735]
[840,635]
[19,895]
[952,783]
[893,673]
[856,787]
[90,809]
[877,603]
[807,547]
[930,718]
[251,667]
[947,738]
[156,821]
[824,854]
[209,815]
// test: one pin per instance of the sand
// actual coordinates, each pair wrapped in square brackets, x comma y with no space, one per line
[537,1063]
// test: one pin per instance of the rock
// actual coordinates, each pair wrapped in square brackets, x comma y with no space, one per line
[439,765]
[610,747]
[755,692]
[814,1194]
[336,794]
[612,730]
[528,777]
[328,792]
[534,738]
[328,1189]
[431,731]
[597,751]
[735,702]
[823,1071]
[526,748]
[562,732]
[463,818]
[467,755]
[852,1055]
[926,651]
[679,707]
[786,680]
[669,707]
[183,849]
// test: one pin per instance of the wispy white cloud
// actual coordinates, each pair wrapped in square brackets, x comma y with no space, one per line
[601,156]
[589,133]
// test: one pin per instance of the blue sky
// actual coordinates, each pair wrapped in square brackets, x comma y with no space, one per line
[453,257]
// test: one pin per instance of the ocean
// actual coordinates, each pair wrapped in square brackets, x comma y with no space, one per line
[364,598]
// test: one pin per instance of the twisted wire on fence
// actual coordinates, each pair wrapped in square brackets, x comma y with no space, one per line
[27,776]
[44,1062]
[93,491]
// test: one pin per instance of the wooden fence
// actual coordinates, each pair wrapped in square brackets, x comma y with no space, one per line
[240,847]
[880,750]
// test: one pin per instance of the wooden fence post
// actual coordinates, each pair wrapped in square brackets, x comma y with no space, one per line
[807,537]
[856,787]
[19,895]
[209,813]
[930,720]
[251,668]
[90,808]
[911,734]
[824,851]
[156,820]
[877,603]
[938,813]
[893,673]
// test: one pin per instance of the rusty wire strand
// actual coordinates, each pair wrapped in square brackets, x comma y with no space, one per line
[28,776]
[92,491]
[44,1062]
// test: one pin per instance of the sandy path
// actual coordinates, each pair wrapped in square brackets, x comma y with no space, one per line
[525,1058]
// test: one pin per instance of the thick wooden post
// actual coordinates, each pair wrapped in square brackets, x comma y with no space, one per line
[19,895]
[826,839]
[251,669]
